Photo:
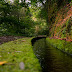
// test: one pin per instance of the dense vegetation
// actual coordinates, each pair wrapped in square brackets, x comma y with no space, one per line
[18,18]
[36,17]
[62,27]
[15,19]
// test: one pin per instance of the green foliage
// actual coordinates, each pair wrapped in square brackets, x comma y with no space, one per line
[18,51]
[68,25]
[15,19]
[50,11]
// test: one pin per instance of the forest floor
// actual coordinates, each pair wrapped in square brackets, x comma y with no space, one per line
[4,39]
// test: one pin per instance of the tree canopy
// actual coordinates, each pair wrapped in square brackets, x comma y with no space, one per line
[17,17]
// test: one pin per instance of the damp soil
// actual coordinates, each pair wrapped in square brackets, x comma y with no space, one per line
[4,39]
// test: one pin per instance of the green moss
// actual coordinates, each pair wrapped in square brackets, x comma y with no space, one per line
[61,44]
[18,51]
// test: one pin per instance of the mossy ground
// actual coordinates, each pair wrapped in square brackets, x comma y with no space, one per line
[18,51]
[61,44]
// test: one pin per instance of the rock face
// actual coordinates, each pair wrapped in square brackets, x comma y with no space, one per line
[35,39]
[62,27]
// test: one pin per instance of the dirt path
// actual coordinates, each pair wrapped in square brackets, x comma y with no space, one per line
[4,39]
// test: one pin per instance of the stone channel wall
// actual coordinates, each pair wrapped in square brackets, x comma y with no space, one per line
[64,46]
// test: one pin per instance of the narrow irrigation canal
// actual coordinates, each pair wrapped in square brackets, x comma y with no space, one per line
[50,58]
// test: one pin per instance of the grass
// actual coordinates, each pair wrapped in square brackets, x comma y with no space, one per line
[18,51]
[61,44]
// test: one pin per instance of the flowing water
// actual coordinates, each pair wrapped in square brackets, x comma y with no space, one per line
[50,58]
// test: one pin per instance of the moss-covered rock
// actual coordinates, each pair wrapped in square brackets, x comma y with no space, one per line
[61,44]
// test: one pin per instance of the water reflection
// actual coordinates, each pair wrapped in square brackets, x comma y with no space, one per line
[51,59]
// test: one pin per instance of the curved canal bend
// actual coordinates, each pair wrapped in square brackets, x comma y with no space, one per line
[50,58]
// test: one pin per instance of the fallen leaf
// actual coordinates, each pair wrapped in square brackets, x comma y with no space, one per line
[3,62]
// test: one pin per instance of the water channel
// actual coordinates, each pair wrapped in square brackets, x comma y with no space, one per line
[50,58]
